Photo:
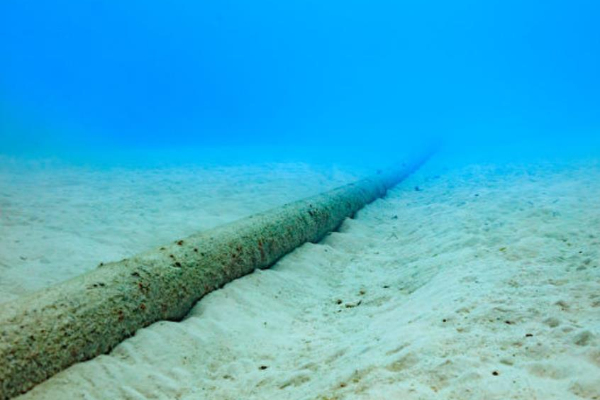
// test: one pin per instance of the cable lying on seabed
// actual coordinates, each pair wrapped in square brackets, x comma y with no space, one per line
[46,332]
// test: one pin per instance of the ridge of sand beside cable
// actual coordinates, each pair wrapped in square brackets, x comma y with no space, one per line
[484,283]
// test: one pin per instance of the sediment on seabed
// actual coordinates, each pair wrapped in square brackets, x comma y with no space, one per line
[50,330]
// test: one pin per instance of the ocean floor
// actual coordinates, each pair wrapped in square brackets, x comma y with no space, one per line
[472,282]
[58,220]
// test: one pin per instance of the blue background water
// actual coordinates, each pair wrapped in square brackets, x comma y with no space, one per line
[116,76]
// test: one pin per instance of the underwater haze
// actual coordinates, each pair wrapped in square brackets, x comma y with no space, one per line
[108,77]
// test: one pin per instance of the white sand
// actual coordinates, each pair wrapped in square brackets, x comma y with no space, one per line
[58,221]
[485,284]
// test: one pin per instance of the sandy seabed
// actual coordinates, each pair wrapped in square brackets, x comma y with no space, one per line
[478,282]
[58,221]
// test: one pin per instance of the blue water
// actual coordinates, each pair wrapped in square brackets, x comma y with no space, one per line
[109,77]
